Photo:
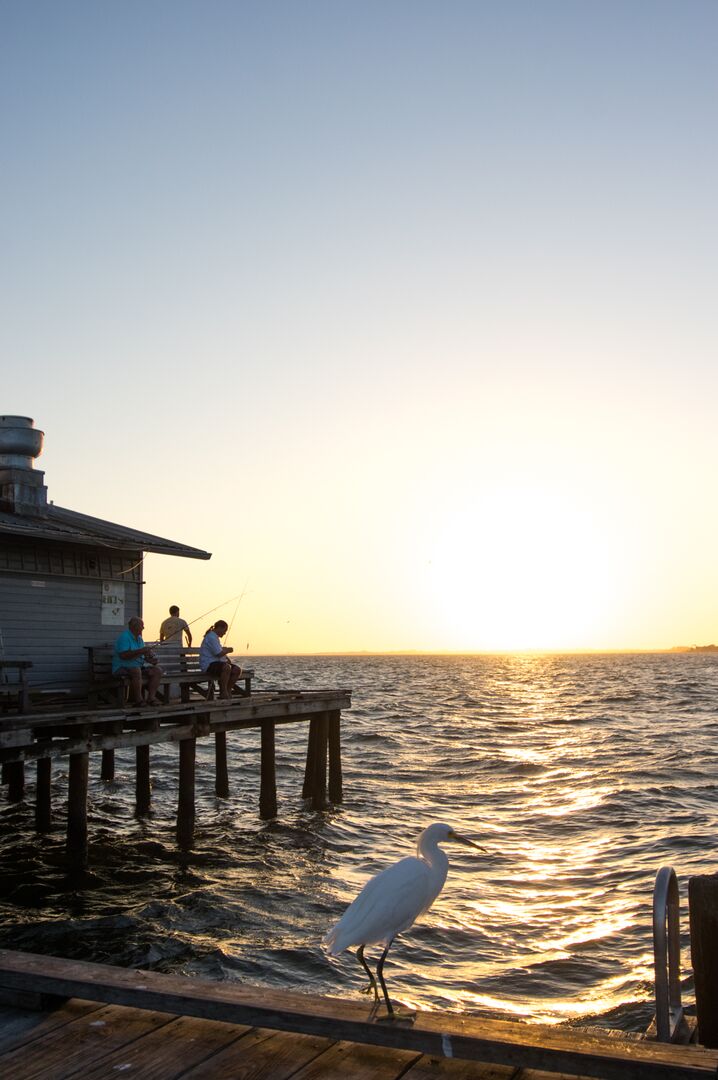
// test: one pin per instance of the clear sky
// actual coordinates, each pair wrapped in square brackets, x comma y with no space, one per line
[405,310]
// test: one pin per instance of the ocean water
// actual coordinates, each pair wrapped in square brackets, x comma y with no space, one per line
[581,775]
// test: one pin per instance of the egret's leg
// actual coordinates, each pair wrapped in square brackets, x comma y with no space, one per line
[372,981]
[380,977]
[394,1014]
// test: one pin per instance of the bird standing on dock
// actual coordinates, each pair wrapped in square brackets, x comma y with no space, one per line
[392,901]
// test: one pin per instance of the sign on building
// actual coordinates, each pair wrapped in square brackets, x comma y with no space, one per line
[113,603]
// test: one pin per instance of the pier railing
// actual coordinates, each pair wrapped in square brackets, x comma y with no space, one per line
[667,955]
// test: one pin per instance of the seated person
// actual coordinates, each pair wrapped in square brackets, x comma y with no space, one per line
[213,659]
[133,659]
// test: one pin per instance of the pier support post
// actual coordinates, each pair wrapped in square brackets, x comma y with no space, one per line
[143,787]
[43,804]
[107,771]
[703,908]
[319,794]
[77,811]
[335,757]
[15,773]
[185,804]
[221,781]
[268,773]
[308,785]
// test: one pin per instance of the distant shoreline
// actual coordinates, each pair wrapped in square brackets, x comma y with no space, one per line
[507,652]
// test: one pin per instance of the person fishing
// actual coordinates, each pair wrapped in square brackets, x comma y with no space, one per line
[214,659]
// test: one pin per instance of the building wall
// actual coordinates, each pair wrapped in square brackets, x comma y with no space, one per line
[51,606]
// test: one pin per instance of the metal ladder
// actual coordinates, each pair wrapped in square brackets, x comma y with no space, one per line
[667,955]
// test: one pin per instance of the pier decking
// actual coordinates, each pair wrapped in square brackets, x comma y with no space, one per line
[76,733]
[114,1021]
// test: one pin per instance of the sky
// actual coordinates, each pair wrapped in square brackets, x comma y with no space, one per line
[404,310]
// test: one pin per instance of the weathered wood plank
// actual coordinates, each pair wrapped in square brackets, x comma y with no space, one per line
[264,1054]
[78,1045]
[257,707]
[439,1035]
[167,1051]
[12,1039]
[427,1068]
[353,1061]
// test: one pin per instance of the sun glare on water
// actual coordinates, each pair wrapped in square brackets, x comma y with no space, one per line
[522,570]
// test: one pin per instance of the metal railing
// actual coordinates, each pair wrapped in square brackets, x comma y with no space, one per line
[667,955]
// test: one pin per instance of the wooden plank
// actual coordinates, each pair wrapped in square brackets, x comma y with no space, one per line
[427,1068]
[263,1054]
[255,707]
[169,1050]
[11,1038]
[439,1035]
[79,1045]
[352,1061]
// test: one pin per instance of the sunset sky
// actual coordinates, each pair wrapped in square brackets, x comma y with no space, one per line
[405,310]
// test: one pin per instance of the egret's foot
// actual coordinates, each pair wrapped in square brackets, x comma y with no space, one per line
[369,989]
[399,1015]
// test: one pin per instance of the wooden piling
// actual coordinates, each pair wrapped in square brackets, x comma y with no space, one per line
[185,803]
[107,770]
[335,757]
[268,773]
[221,780]
[77,811]
[319,792]
[703,908]
[308,786]
[15,772]
[43,802]
[143,786]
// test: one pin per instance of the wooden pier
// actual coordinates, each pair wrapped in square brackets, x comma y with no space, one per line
[76,734]
[110,1021]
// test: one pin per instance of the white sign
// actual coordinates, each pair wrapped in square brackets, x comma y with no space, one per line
[113,603]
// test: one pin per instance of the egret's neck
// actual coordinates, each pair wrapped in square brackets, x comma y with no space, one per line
[430,852]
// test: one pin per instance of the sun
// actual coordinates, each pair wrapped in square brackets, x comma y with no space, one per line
[523,568]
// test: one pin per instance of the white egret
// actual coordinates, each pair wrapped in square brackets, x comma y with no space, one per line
[393,900]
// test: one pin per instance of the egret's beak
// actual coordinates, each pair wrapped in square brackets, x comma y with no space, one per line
[465,840]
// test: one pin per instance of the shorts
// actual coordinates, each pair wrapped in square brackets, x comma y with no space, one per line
[216,668]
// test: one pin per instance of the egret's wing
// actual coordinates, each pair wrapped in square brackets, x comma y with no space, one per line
[388,904]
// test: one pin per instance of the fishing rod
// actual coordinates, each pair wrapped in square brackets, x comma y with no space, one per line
[204,614]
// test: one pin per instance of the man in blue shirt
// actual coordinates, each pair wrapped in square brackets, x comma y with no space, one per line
[133,659]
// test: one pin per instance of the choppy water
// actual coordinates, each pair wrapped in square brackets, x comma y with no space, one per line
[581,774]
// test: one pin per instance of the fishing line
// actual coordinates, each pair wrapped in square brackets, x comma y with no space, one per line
[241,597]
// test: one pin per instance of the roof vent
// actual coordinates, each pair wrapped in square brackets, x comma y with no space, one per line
[22,490]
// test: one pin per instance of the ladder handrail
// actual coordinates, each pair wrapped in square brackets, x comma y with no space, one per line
[667,954]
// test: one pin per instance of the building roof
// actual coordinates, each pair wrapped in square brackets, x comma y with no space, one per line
[56,523]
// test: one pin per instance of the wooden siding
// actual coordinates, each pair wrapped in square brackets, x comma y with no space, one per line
[50,608]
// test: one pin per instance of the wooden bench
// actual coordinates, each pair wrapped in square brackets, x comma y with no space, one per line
[14,689]
[180,668]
